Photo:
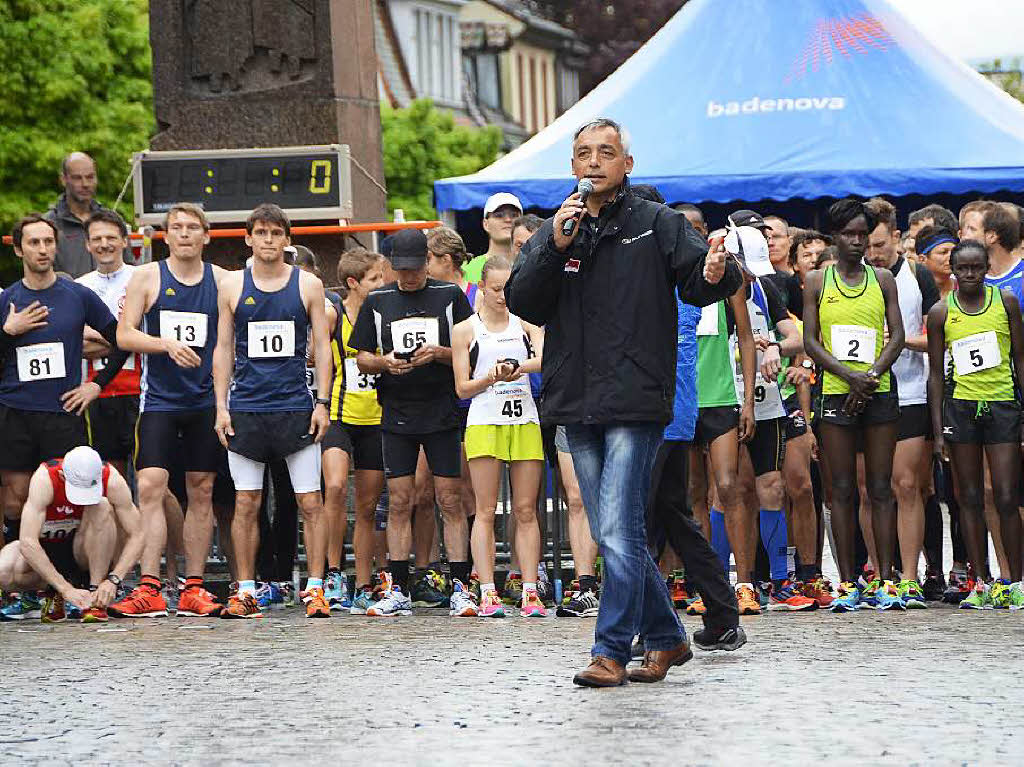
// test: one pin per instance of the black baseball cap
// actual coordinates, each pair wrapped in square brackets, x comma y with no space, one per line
[408,249]
[747,218]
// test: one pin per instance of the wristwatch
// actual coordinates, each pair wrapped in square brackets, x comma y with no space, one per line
[807,365]
[325,401]
[114,579]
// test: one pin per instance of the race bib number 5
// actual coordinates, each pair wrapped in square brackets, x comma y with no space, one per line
[976,352]
[38,362]
[271,339]
[409,334]
[854,343]
[187,327]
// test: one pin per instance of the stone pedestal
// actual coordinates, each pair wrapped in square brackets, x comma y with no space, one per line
[269,73]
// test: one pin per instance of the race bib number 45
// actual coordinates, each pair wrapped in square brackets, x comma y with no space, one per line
[854,343]
[509,398]
[38,362]
[409,334]
[271,339]
[187,327]
[976,352]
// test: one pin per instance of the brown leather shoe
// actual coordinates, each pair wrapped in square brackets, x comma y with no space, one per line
[602,672]
[657,663]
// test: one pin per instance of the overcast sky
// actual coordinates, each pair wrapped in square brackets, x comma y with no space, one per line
[971,30]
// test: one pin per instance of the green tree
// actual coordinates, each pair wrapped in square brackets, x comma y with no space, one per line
[76,77]
[422,144]
[1007,75]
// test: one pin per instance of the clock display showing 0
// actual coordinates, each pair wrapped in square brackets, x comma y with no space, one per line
[240,183]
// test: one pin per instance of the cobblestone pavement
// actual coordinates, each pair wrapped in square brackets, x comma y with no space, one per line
[940,686]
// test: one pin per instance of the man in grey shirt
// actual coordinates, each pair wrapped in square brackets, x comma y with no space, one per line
[73,207]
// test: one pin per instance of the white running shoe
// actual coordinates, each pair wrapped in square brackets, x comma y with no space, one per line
[393,603]
[462,604]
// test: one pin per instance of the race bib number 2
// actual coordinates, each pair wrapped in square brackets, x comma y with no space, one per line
[976,352]
[271,339]
[38,362]
[854,343]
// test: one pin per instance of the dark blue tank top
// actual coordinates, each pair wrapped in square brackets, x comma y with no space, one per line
[270,349]
[180,312]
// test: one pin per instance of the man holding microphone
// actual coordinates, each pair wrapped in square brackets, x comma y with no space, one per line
[601,277]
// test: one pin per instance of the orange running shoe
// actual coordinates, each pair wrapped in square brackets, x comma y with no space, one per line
[747,600]
[197,602]
[241,606]
[316,604]
[144,602]
[696,607]
[95,615]
[820,590]
[53,608]
[680,596]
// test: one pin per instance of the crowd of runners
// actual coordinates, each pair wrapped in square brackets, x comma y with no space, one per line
[862,378]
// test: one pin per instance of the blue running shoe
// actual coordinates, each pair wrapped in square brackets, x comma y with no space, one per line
[276,594]
[848,599]
[869,592]
[27,607]
[336,591]
[887,597]
[264,595]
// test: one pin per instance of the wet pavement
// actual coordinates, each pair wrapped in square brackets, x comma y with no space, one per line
[937,686]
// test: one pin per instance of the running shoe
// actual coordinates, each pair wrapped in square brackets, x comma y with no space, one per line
[241,606]
[289,598]
[720,639]
[513,591]
[316,603]
[264,595]
[869,592]
[569,593]
[934,587]
[143,602]
[365,599]
[978,598]
[959,587]
[491,605]
[747,599]
[999,595]
[392,602]
[197,602]
[865,578]
[429,591]
[912,595]
[1017,596]
[53,608]
[532,606]
[462,604]
[848,599]
[696,607]
[787,598]
[336,590]
[277,593]
[474,585]
[584,605]
[887,597]
[95,615]
[680,595]
[546,592]
[172,595]
[24,607]
[820,590]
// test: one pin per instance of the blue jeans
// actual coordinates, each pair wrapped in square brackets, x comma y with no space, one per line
[613,464]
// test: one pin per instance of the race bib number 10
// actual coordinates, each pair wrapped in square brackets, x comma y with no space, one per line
[271,339]
[38,362]
[413,332]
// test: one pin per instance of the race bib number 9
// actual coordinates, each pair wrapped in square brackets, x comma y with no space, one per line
[409,334]
[102,362]
[976,352]
[187,327]
[356,380]
[38,362]
[271,339]
[854,343]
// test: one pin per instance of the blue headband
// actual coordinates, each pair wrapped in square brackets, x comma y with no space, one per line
[935,243]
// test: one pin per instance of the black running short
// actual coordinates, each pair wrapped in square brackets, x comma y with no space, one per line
[32,436]
[767,447]
[883,407]
[337,437]
[178,440]
[62,557]
[112,422]
[367,447]
[443,450]
[713,422]
[265,437]
[980,423]
[915,421]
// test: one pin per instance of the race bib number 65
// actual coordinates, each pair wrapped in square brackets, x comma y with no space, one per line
[409,334]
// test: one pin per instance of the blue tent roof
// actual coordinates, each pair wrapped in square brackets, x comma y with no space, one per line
[751,100]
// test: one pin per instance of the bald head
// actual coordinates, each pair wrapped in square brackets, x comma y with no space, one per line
[78,176]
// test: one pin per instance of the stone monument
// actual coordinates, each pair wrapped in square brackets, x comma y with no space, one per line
[271,73]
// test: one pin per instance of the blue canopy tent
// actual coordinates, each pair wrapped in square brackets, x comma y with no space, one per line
[789,100]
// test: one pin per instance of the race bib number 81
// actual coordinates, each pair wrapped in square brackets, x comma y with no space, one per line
[976,352]
[271,339]
[38,362]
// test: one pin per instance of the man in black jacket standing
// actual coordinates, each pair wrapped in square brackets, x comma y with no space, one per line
[605,295]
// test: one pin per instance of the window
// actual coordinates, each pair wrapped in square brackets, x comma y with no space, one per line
[437,55]
[482,72]
[568,87]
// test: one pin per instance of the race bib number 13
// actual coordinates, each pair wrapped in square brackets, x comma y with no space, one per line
[187,327]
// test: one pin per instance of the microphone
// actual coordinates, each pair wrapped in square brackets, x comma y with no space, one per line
[584,188]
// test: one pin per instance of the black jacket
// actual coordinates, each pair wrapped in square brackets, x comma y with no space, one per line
[610,311]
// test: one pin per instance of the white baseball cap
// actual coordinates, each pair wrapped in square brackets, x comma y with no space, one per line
[495,201]
[83,476]
[750,248]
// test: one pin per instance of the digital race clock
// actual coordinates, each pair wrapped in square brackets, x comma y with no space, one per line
[309,182]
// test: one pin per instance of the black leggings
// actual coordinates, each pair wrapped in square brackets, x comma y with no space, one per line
[279,532]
